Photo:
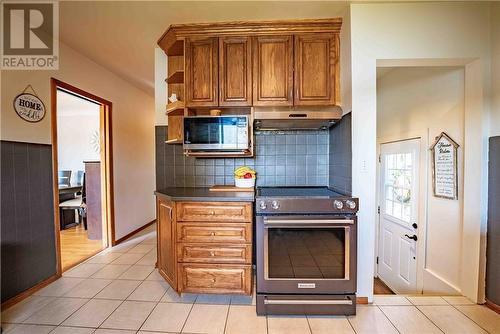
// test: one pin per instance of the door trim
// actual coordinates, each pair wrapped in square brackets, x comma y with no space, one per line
[422,203]
[106,157]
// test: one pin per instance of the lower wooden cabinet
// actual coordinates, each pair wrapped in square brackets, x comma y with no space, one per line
[210,278]
[205,248]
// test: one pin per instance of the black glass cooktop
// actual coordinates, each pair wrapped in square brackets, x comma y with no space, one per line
[322,192]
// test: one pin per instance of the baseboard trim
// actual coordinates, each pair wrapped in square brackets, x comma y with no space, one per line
[362,300]
[493,306]
[26,293]
[122,239]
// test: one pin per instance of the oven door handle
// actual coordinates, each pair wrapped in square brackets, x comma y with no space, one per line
[308,222]
[307,302]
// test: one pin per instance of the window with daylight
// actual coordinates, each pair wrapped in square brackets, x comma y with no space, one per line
[398,184]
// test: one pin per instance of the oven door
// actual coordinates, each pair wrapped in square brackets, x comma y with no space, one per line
[306,254]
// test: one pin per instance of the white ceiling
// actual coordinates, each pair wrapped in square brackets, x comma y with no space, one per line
[122,35]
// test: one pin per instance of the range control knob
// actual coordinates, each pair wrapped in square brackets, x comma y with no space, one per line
[275,205]
[350,204]
[263,205]
[338,204]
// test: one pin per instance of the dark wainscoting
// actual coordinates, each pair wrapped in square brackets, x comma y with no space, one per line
[493,242]
[341,156]
[27,216]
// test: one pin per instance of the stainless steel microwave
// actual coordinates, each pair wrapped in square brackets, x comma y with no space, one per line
[216,133]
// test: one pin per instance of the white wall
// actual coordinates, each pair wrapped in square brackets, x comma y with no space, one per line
[416,34]
[132,129]
[495,71]
[423,102]
[77,133]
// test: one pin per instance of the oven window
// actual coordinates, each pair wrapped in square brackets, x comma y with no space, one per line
[306,253]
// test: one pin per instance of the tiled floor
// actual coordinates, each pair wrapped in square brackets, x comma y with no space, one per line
[119,292]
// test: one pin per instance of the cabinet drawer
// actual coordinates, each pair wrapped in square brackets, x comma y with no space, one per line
[214,211]
[207,253]
[214,233]
[198,278]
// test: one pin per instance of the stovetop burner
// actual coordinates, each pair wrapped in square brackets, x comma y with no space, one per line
[317,192]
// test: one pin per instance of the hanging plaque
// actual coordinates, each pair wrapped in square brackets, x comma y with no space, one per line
[29,106]
[444,167]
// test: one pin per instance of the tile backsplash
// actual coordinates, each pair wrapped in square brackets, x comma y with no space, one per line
[282,158]
[340,158]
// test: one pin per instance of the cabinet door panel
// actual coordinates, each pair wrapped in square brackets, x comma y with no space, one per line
[273,70]
[201,72]
[235,73]
[315,67]
[167,262]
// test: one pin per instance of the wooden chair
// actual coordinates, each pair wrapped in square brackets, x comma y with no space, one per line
[67,210]
[64,177]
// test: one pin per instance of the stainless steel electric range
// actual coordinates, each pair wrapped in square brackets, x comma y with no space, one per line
[306,251]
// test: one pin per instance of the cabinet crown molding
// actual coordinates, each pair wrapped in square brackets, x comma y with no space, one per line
[178,32]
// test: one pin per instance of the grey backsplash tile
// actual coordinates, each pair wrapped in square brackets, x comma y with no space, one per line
[284,158]
[340,156]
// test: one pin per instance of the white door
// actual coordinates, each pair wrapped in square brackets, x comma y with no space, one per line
[398,241]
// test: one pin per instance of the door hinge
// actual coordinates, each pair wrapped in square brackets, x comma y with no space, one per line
[378,209]
[377,259]
[379,158]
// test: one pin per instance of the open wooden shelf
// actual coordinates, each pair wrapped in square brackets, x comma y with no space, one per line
[173,141]
[176,49]
[175,108]
[176,78]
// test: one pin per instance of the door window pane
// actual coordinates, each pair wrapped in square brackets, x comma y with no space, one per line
[306,253]
[398,184]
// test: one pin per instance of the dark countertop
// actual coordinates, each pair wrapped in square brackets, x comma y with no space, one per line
[201,194]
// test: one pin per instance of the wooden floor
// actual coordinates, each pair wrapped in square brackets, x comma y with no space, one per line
[75,247]
[379,288]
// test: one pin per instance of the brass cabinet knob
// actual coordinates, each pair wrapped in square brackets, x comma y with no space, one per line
[212,253]
[212,234]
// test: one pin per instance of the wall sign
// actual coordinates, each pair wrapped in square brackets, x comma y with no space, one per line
[444,167]
[29,106]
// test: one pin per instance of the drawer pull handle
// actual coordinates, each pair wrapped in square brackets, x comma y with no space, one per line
[212,234]
[212,213]
[213,280]
[212,253]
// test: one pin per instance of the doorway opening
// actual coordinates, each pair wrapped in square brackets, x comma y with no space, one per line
[419,235]
[82,169]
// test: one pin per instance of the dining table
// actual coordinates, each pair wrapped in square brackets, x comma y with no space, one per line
[67,192]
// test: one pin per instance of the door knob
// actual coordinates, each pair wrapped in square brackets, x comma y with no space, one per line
[413,237]
[414,225]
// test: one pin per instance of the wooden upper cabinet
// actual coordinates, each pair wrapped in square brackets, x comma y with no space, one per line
[316,63]
[273,70]
[167,261]
[201,77]
[235,71]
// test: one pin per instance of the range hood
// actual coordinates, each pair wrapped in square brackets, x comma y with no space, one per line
[296,118]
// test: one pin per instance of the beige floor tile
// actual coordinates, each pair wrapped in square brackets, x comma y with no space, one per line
[203,318]
[167,317]
[111,271]
[458,300]
[105,258]
[287,325]
[483,316]
[72,330]
[151,291]
[148,260]
[408,319]
[59,287]
[88,288]
[242,319]
[84,270]
[113,331]
[128,258]
[155,276]
[142,248]
[28,329]
[24,309]
[427,300]
[390,300]
[55,312]
[329,325]
[93,313]
[243,300]
[450,320]
[137,272]
[370,319]
[173,297]
[213,299]
[129,315]
[118,289]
